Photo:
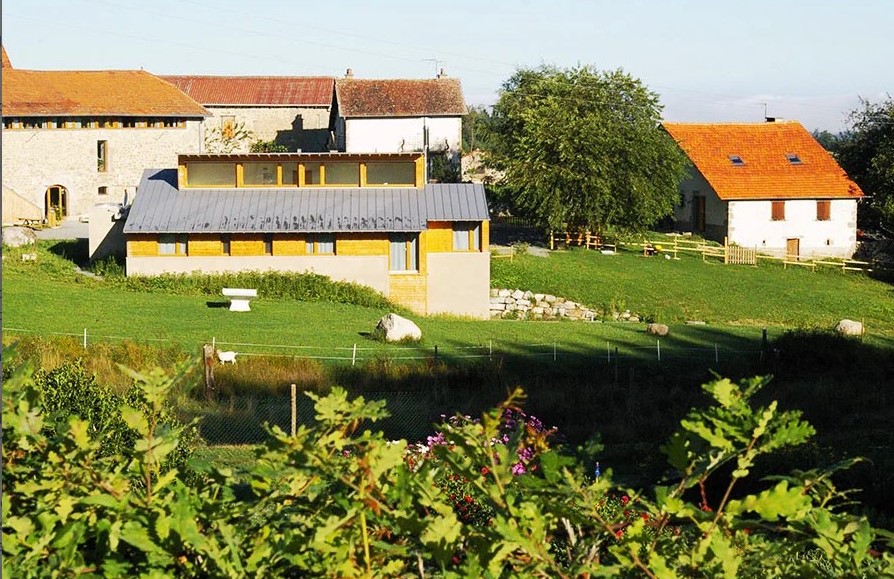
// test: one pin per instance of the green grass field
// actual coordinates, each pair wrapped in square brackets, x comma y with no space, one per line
[564,366]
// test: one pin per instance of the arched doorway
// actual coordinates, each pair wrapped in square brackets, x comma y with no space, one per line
[56,202]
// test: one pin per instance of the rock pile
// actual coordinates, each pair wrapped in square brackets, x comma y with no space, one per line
[520,304]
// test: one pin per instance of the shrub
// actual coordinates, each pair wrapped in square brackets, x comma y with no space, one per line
[333,500]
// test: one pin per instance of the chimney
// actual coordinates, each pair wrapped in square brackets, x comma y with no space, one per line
[770,119]
[442,74]
[349,73]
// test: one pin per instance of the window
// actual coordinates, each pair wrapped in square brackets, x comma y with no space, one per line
[227,127]
[343,174]
[102,156]
[103,191]
[172,244]
[268,244]
[404,252]
[736,160]
[467,236]
[259,173]
[211,174]
[778,211]
[225,247]
[391,173]
[312,174]
[823,210]
[793,158]
[320,243]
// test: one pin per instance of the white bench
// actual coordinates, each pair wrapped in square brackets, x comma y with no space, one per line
[239,298]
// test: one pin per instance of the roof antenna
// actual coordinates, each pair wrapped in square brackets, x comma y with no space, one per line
[766,118]
[437,62]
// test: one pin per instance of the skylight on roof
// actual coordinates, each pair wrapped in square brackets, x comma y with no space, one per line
[793,158]
[736,160]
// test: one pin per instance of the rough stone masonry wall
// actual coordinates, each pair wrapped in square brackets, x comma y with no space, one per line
[519,304]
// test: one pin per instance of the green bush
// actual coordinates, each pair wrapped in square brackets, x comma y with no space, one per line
[298,286]
[333,500]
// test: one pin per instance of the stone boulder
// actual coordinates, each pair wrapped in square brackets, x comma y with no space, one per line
[660,330]
[18,236]
[849,328]
[395,328]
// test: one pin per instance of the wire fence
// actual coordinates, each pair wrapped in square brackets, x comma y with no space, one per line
[358,354]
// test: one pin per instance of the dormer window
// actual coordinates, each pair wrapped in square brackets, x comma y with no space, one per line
[793,158]
[736,160]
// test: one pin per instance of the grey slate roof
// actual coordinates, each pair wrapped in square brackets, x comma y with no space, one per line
[160,207]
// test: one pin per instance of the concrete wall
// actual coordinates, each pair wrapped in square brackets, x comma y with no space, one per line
[751,225]
[35,159]
[459,284]
[106,231]
[370,271]
[305,128]
[395,134]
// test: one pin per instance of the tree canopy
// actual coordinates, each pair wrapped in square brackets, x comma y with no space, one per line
[866,152]
[584,148]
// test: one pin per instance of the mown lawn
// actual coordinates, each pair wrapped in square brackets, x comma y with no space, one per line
[690,289]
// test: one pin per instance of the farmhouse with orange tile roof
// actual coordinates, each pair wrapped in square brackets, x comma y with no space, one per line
[770,186]
[292,111]
[75,139]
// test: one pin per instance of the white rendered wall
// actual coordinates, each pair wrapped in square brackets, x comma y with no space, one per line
[370,271]
[35,159]
[715,209]
[397,134]
[751,225]
[459,284]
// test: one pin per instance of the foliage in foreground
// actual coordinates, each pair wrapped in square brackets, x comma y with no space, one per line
[335,501]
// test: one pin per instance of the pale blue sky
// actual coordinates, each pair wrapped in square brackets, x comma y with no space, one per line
[709,60]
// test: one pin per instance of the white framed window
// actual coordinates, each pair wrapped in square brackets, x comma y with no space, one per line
[404,252]
[467,236]
[172,244]
[320,243]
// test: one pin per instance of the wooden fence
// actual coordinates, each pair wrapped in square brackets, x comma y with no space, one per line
[730,254]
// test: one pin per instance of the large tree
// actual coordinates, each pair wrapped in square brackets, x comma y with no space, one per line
[866,152]
[585,148]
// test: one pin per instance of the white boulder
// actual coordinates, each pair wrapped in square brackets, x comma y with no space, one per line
[18,236]
[395,328]
[660,330]
[849,328]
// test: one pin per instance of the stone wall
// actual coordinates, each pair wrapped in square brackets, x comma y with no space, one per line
[35,159]
[305,128]
[520,304]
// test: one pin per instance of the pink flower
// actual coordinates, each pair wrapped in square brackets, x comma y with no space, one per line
[518,468]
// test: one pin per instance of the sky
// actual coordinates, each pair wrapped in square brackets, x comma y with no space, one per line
[709,60]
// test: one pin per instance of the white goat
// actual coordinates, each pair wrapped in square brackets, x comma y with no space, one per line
[225,357]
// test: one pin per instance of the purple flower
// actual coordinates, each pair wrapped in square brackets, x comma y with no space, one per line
[518,469]
[526,453]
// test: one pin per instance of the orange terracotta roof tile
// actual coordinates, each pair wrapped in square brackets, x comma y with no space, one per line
[4,58]
[765,171]
[93,93]
[256,90]
[399,97]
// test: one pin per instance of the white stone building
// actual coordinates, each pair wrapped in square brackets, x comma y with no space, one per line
[770,186]
[399,115]
[73,139]
[293,111]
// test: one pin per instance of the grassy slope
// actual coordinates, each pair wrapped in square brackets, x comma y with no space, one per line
[689,289]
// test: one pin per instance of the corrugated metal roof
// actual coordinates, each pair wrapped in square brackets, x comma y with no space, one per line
[160,207]
[455,202]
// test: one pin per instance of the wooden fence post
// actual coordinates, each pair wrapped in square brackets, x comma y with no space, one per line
[294,409]
[208,358]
